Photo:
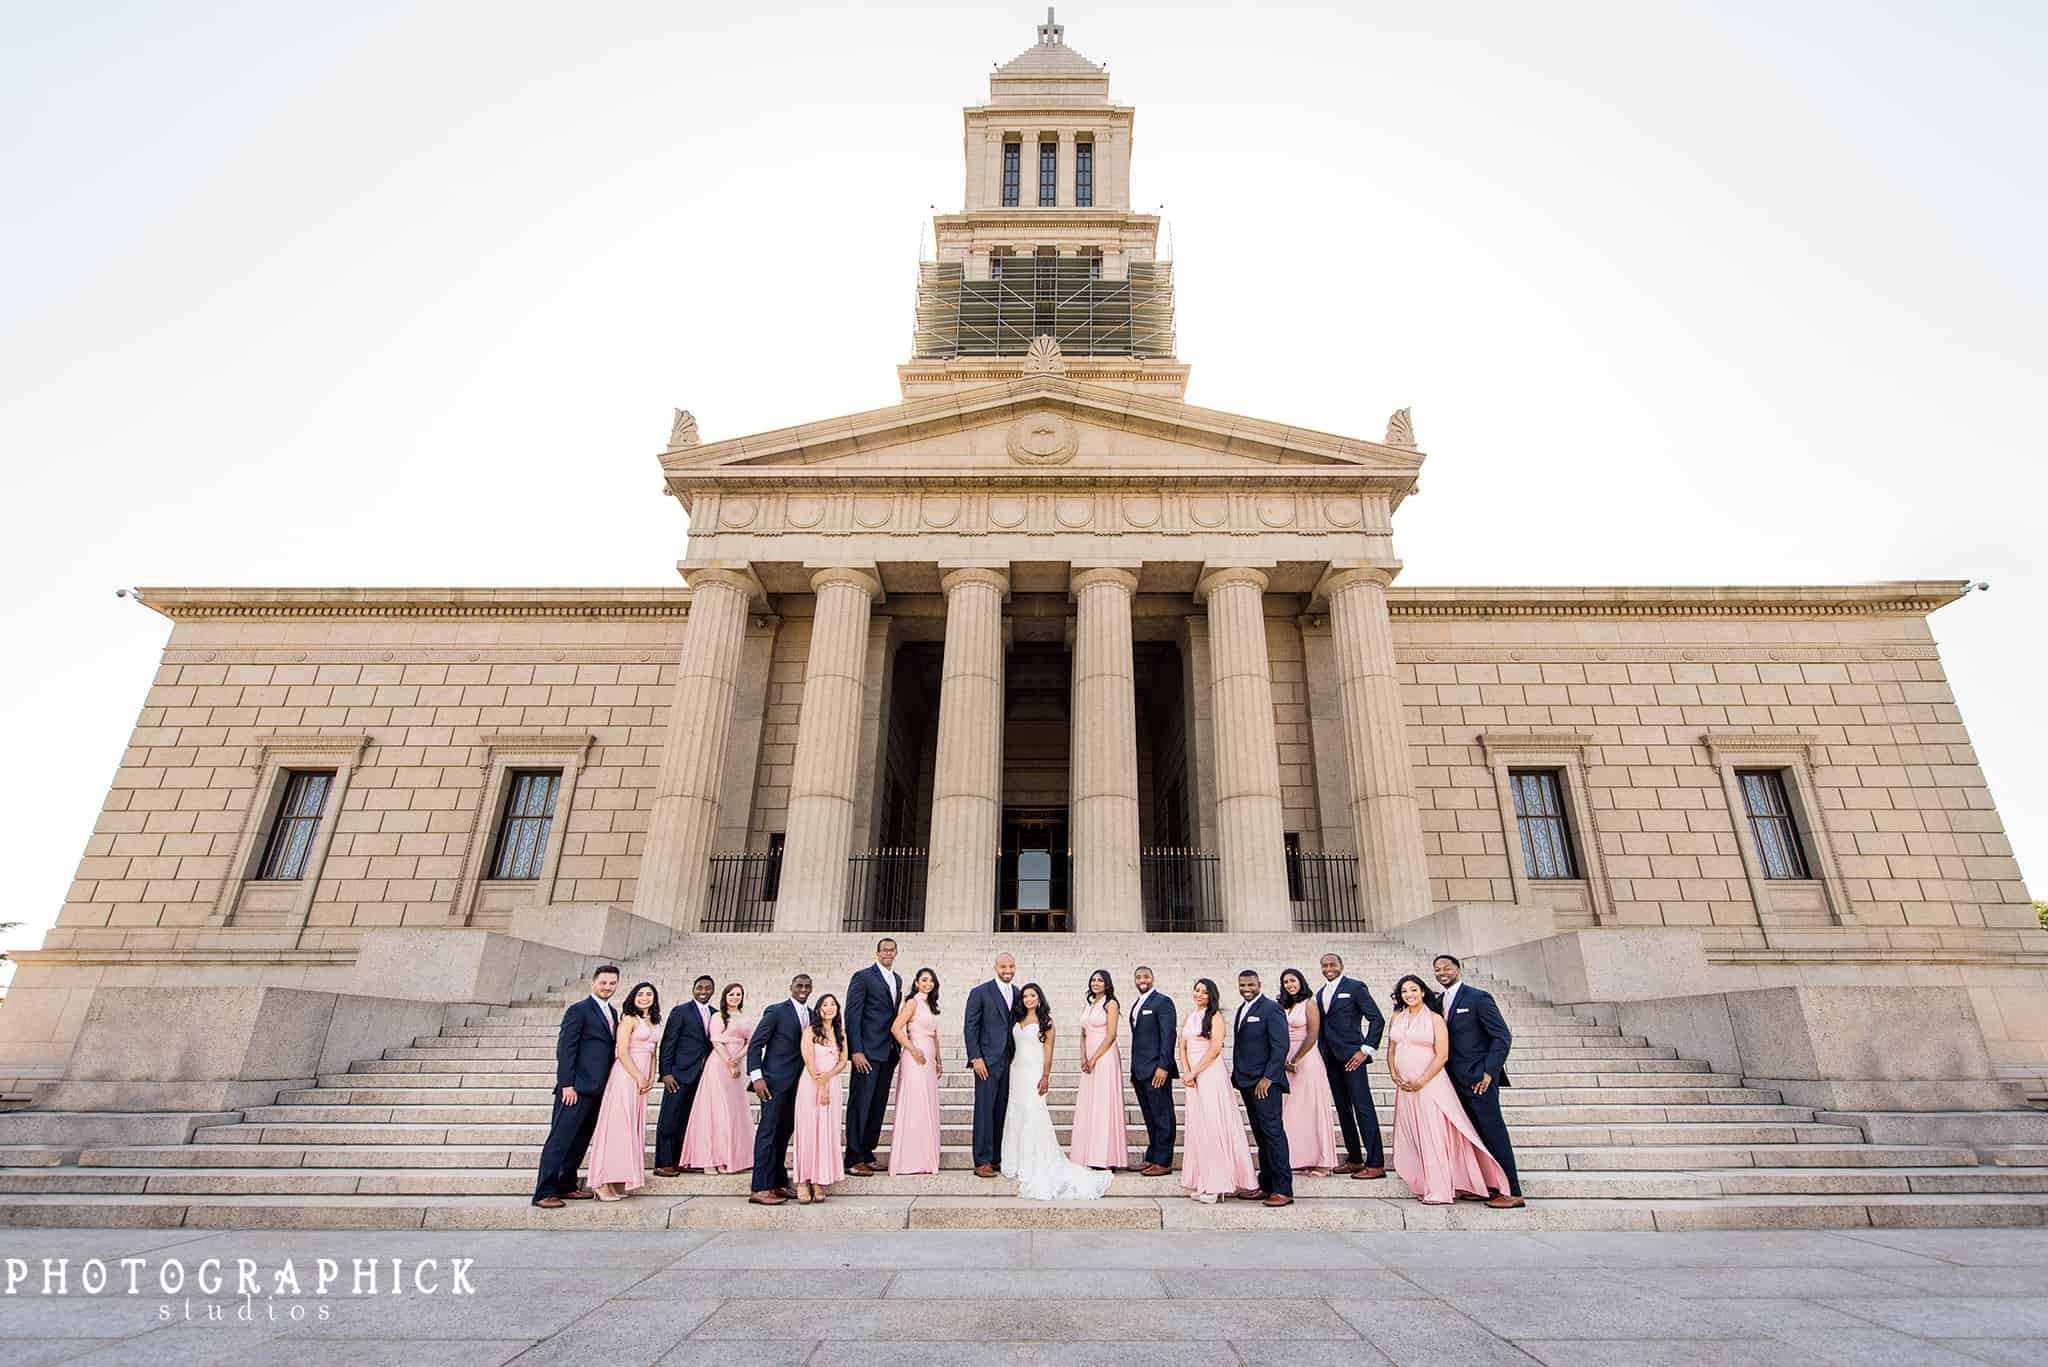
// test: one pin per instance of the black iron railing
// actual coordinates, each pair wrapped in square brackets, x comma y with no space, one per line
[743,889]
[1180,890]
[1325,892]
[885,891]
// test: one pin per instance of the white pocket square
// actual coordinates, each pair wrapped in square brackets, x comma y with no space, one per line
[1249,1019]
[1343,996]
[1461,1010]
[1146,1012]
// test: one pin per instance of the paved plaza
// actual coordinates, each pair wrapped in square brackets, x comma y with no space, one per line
[1132,1299]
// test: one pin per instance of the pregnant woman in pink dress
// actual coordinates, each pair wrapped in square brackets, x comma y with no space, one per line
[1306,1112]
[721,1133]
[914,1142]
[1217,1161]
[1436,1150]
[1100,1139]
[618,1147]
[821,1104]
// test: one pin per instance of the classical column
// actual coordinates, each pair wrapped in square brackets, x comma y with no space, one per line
[821,784]
[1250,837]
[1393,869]
[967,786]
[675,869]
[1103,790]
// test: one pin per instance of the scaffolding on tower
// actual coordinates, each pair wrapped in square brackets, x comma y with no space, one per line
[1062,297]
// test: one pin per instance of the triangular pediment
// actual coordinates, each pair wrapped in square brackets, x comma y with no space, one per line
[1044,425]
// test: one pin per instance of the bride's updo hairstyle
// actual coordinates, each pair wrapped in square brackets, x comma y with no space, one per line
[1022,1013]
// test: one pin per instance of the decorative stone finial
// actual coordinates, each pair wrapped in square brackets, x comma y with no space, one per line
[1051,34]
[1043,358]
[683,431]
[1400,431]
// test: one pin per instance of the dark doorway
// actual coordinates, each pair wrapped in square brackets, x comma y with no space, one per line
[1031,881]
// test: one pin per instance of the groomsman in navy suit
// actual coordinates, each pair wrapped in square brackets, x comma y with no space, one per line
[1478,1067]
[685,1044]
[1154,1032]
[1350,1036]
[775,1060]
[583,1064]
[989,1048]
[872,999]
[1258,1069]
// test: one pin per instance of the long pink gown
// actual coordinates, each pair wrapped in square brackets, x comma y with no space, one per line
[1306,1112]
[618,1147]
[1101,1138]
[914,1142]
[1215,1160]
[721,1133]
[820,1130]
[1436,1150]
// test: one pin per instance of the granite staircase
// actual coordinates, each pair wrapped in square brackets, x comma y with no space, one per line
[1611,1131]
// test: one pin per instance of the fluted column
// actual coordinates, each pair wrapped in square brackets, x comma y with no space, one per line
[1250,835]
[967,786]
[675,869]
[821,783]
[1393,868]
[1103,784]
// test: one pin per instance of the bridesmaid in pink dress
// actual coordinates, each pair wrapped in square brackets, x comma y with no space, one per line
[1436,1150]
[1216,1160]
[1101,1138]
[721,1133]
[820,1105]
[618,1146]
[914,1142]
[1306,1112]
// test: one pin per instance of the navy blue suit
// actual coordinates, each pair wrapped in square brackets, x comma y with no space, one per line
[987,1034]
[1479,1046]
[1351,1022]
[776,1053]
[584,1050]
[684,1047]
[1260,1051]
[871,1002]
[1154,1031]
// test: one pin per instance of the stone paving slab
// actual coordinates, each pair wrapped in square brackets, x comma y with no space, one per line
[626,1297]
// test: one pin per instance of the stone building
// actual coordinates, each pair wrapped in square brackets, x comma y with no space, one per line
[1046,648]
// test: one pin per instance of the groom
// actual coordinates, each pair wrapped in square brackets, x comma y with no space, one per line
[872,999]
[989,1047]
[775,1060]
[1258,1069]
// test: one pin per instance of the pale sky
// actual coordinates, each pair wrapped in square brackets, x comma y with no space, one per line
[403,294]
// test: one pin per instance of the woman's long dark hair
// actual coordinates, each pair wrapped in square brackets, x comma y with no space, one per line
[931,999]
[1019,1014]
[1215,1002]
[1108,988]
[1429,999]
[838,1037]
[724,1012]
[1287,1000]
[653,1012]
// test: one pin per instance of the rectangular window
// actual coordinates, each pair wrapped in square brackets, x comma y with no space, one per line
[1539,812]
[1293,844]
[1013,173]
[298,817]
[529,814]
[771,876]
[1770,817]
[1048,174]
[1084,175]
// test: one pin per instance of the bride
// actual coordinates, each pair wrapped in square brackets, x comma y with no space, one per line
[1031,1151]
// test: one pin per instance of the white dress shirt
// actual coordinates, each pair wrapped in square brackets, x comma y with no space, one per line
[606,1007]
[1139,1005]
[895,983]
[1450,993]
[1009,994]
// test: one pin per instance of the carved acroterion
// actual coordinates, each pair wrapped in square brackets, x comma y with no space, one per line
[1400,430]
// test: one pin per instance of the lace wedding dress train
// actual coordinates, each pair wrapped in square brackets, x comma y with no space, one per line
[1031,1151]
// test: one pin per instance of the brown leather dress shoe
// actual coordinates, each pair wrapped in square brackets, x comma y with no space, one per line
[1502,1201]
[786,1193]
[1276,1200]
[1253,1194]
[550,1203]
[984,1170]
[1368,1174]
[668,1172]
[1154,1170]
[766,1198]
[862,1170]
[580,1194]
[1345,1169]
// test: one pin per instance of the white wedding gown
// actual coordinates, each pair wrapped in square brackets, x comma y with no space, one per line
[1031,1151]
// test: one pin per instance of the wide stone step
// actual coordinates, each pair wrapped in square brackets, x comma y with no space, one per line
[991,1212]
